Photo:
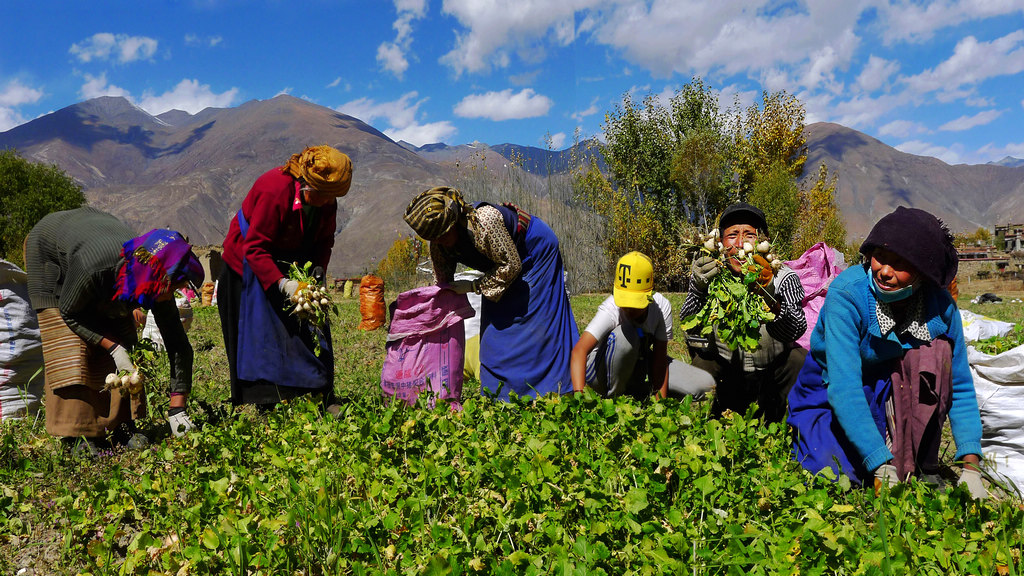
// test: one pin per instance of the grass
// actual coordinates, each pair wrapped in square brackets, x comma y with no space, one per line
[567,486]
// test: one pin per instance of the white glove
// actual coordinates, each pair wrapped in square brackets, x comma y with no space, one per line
[885,475]
[461,286]
[972,479]
[180,424]
[288,287]
[121,358]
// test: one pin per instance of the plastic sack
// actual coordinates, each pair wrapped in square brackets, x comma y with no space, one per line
[978,327]
[346,291]
[816,268]
[472,348]
[207,291]
[151,331]
[424,346]
[371,303]
[21,348]
[999,386]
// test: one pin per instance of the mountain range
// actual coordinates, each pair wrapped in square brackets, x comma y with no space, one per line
[190,172]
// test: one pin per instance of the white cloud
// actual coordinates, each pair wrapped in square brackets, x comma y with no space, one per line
[973,61]
[195,40]
[504,105]
[876,73]
[392,58]
[902,129]
[13,95]
[991,152]
[96,86]
[919,148]
[17,94]
[967,122]
[422,134]
[918,22]
[392,55]
[121,47]
[190,96]
[400,115]
[492,31]
[579,115]
[556,141]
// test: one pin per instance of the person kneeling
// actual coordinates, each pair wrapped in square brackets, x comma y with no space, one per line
[624,349]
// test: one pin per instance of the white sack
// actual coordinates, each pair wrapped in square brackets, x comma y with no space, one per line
[21,349]
[978,327]
[999,385]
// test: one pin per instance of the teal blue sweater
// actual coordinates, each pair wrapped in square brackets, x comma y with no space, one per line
[847,343]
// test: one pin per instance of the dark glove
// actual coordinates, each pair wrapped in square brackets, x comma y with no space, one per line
[320,275]
[702,271]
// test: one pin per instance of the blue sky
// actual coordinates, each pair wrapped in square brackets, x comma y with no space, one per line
[942,78]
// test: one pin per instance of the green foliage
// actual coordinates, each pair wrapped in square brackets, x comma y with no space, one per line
[980,237]
[820,219]
[767,135]
[29,191]
[776,193]
[568,485]
[398,267]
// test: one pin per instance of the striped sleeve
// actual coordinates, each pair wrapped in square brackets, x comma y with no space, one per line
[790,323]
[694,302]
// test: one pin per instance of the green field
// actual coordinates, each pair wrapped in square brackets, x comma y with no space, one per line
[576,485]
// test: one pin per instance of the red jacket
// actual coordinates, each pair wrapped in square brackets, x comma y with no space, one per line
[273,208]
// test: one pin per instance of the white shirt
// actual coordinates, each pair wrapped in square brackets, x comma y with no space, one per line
[658,322]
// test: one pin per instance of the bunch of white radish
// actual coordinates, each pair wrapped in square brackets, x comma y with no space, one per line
[143,356]
[713,245]
[311,303]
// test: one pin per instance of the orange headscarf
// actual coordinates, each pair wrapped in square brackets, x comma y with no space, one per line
[322,167]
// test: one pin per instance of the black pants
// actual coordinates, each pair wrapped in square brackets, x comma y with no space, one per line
[736,390]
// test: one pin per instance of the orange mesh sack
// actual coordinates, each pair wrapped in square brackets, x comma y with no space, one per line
[371,303]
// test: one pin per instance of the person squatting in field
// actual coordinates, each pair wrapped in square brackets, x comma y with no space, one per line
[289,215]
[888,363]
[527,329]
[87,273]
[624,349]
[766,374]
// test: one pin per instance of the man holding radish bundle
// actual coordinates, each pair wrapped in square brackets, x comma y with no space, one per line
[888,364]
[87,273]
[766,371]
[287,220]
[624,350]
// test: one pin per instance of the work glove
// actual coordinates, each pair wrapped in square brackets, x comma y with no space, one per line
[180,424]
[702,271]
[765,274]
[121,358]
[972,479]
[461,286]
[886,475]
[290,287]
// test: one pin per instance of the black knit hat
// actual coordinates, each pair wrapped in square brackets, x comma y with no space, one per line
[919,238]
[743,213]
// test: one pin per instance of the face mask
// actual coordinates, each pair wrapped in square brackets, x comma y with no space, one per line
[890,296]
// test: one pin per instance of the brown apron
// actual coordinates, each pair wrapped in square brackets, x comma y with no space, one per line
[76,404]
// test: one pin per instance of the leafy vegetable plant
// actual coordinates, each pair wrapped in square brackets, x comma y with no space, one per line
[311,303]
[734,305]
[143,356]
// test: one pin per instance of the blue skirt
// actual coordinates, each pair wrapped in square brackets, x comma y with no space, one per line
[819,441]
[526,338]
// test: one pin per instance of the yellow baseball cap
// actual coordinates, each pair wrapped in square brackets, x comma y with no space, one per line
[634,281]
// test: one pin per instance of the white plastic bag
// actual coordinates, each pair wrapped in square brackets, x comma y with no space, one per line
[978,327]
[999,385]
[21,348]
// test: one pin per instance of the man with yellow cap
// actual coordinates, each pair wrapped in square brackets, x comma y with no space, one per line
[289,215]
[624,349]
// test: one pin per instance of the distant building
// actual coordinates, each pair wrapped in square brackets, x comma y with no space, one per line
[1011,236]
